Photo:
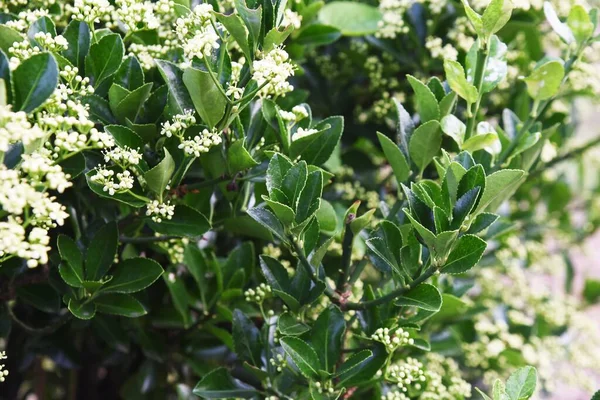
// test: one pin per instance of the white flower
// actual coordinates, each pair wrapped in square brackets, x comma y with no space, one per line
[90,11]
[180,123]
[291,18]
[273,71]
[123,156]
[201,143]
[3,372]
[136,14]
[196,33]
[14,127]
[158,210]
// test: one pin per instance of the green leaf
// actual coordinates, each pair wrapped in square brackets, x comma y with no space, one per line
[473,17]
[353,364]
[499,391]
[133,275]
[101,251]
[591,290]
[424,296]
[425,143]
[309,201]
[483,141]
[521,383]
[239,158]
[394,156]
[282,211]
[179,100]
[81,310]
[580,23]
[359,368]
[481,222]
[426,102]
[158,177]
[268,220]
[8,36]
[545,80]
[185,222]
[288,325]
[465,255]
[41,296]
[124,137]
[130,106]
[278,167]
[496,67]
[235,26]
[130,74]
[104,58]
[218,384]
[79,38]
[179,295]
[206,96]
[293,183]
[71,270]
[454,128]
[34,80]
[303,355]
[318,35]
[351,18]
[496,15]
[499,186]
[246,338]
[455,75]
[120,304]
[485,396]
[327,334]
[316,149]
[252,18]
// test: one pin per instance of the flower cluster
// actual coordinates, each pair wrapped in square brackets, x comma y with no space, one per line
[201,143]
[392,340]
[259,294]
[3,372]
[158,210]
[272,71]
[180,123]
[196,32]
[90,11]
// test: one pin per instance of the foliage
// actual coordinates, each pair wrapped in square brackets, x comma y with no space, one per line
[178,221]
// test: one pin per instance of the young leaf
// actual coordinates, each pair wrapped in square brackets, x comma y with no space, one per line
[218,384]
[424,296]
[496,15]
[278,167]
[544,82]
[454,128]
[34,80]
[580,23]
[120,304]
[499,186]
[455,74]
[239,158]
[303,355]
[309,201]
[473,17]
[426,102]
[560,28]
[465,255]
[521,383]
[425,144]
[294,181]
[351,18]
[133,275]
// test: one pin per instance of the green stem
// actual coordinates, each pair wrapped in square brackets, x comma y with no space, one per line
[429,272]
[346,255]
[482,57]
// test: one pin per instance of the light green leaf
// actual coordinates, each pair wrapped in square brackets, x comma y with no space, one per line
[351,18]
[544,82]
[206,96]
[455,75]
[426,102]
[499,186]
[454,128]
[394,156]
[425,143]
[236,28]
[239,158]
[473,17]
[521,383]
[465,255]
[560,28]
[282,211]
[496,15]
[580,23]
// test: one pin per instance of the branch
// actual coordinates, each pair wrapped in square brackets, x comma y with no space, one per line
[38,331]
[147,239]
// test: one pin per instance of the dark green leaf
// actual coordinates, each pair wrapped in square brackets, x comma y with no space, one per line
[316,149]
[303,355]
[78,36]
[185,221]
[288,325]
[101,251]
[179,100]
[246,338]
[218,384]
[104,58]
[120,304]
[309,200]
[206,96]
[465,255]
[317,35]
[158,177]
[133,275]
[34,80]
[268,220]
[327,334]
[424,296]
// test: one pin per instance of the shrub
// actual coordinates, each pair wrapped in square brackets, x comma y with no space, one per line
[184,188]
